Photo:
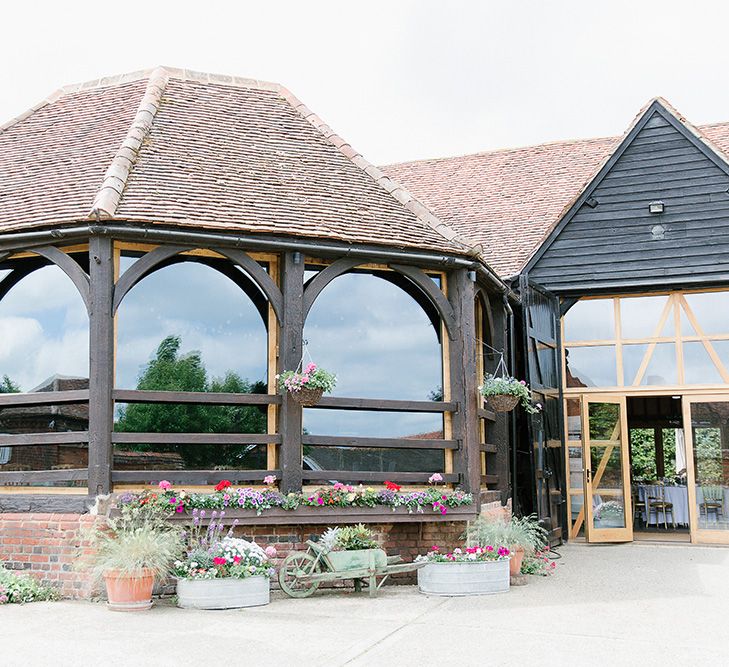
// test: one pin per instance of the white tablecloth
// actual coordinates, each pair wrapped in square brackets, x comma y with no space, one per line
[677,495]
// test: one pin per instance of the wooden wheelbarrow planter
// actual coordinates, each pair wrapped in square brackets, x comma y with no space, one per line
[302,572]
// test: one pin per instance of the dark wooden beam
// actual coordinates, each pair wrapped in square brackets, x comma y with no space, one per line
[195,438]
[141,268]
[32,477]
[386,405]
[660,457]
[49,438]
[101,363]
[290,352]
[489,448]
[378,443]
[191,476]
[214,398]
[367,476]
[44,398]
[444,307]
[464,385]
[70,267]
[324,277]
[488,415]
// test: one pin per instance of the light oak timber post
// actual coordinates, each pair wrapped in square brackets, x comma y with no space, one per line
[291,344]
[101,363]
[464,381]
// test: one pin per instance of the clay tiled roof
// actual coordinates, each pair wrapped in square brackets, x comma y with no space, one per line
[508,200]
[177,148]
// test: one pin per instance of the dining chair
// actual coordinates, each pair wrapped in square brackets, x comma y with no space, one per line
[713,501]
[659,504]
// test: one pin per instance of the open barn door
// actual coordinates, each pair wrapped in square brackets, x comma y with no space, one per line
[541,344]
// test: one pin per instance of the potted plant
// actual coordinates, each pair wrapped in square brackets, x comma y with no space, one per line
[524,535]
[473,570]
[220,571]
[308,385]
[504,393]
[129,552]
[352,547]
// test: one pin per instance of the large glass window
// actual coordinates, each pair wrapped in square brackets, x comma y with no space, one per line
[681,338]
[198,325]
[710,431]
[382,339]
[44,334]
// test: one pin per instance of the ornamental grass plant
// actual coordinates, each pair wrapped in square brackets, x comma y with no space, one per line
[518,532]
[349,538]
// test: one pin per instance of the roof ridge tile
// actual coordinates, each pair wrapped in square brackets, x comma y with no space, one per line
[115,179]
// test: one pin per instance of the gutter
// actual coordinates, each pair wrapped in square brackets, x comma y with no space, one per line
[29,239]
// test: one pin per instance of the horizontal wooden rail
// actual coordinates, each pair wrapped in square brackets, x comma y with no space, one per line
[488,415]
[119,438]
[191,476]
[50,438]
[488,447]
[384,405]
[367,476]
[489,479]
[214,398]
[36,476]
[44,398]
[398,443]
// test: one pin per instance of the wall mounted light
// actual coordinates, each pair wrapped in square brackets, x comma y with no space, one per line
[656,207]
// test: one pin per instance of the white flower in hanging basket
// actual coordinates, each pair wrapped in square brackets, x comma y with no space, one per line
[504,393]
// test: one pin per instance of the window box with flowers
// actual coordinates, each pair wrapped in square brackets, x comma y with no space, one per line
[326,505]
[219,571]
[468,571]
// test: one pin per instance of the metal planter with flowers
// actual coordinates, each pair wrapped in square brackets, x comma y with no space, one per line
[469,571]
[306,386]
[221,571]
[504,393]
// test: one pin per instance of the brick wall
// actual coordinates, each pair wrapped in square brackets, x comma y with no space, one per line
[46,547]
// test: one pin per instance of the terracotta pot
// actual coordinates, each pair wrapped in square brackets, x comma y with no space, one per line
[129,592]
[517,556]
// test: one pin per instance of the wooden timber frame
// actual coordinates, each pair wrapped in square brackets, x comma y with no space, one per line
[90,257]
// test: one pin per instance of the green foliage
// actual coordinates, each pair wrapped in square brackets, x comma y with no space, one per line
[498,386]
[349,538]
[139,538]
[525,532]
[708,455]
[7,386]
[643,453]
[311,377]
[172,371]
[21,588]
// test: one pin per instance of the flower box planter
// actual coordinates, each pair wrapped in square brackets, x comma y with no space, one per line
[455,579]
[357,559]
[225,593]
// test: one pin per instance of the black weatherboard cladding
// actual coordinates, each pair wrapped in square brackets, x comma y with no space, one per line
[619,243]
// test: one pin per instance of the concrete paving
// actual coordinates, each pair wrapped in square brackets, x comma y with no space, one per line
[642,604]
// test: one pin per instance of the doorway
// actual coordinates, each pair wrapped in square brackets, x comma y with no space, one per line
[658,469]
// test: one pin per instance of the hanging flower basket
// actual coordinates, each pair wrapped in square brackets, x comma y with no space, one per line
[306,386]
[307,395]
[504,393]
[502,402]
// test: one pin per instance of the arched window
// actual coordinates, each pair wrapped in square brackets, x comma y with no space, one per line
[44,347]
[197,324]
[382,338]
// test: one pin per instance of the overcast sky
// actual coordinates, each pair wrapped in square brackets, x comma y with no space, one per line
[400,80]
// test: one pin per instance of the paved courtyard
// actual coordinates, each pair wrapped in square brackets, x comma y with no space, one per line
[607,605]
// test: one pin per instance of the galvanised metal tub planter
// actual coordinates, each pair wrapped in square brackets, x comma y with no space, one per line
[463,578]
[223,593]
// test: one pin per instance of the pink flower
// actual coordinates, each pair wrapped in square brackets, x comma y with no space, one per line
[219,560]
[236,559]
[489,548]
[269,479]
[164,485]
[503,551]
[180,508]
[304,379]
[435,478]
[320,500]
[435,547]
[271,551]
[310,368]
[522,382]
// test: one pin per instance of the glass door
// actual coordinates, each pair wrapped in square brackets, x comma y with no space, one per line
[707,449]
[606,456]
